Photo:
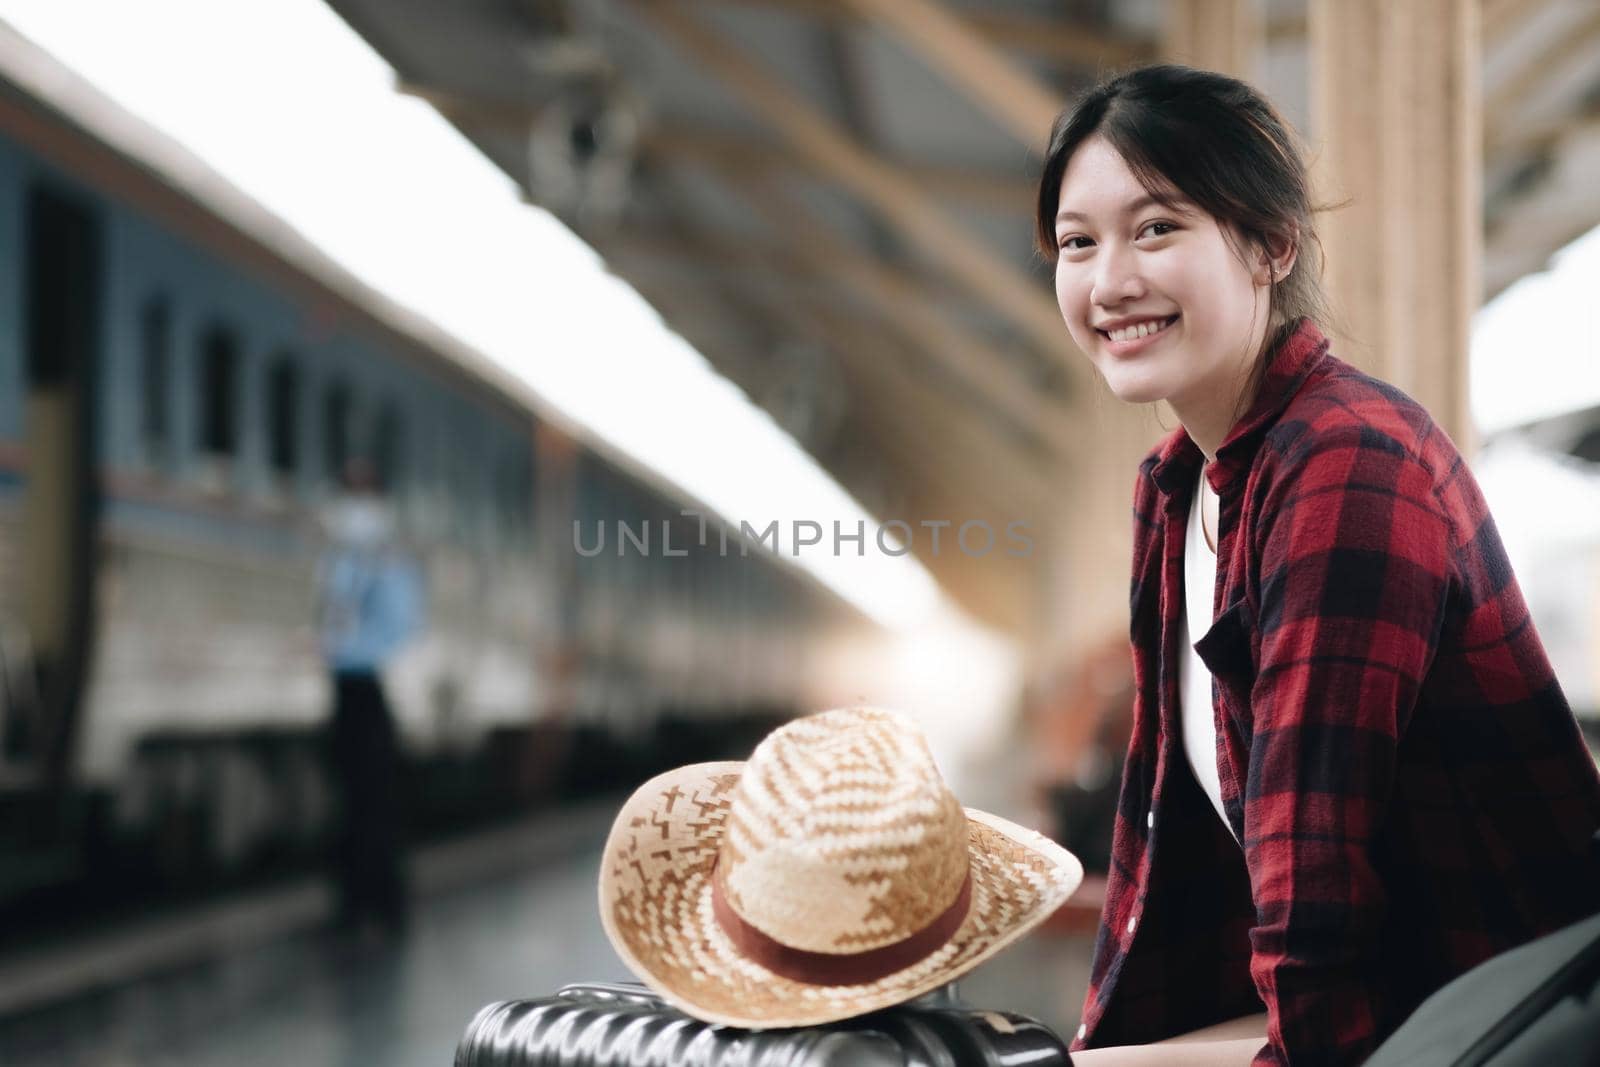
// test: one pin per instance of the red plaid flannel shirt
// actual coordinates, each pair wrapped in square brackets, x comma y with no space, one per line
[1410,787]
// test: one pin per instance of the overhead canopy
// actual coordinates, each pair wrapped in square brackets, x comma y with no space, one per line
[832,200]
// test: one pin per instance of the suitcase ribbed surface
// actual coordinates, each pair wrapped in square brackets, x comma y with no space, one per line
[621,1025]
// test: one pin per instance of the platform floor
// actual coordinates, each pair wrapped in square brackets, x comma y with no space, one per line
[506,915]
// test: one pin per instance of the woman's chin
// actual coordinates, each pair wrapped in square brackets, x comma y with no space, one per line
[1135,390]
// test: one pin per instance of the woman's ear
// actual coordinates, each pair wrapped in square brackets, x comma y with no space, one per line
[1274,262]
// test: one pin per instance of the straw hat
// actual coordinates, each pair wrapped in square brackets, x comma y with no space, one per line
[832,874]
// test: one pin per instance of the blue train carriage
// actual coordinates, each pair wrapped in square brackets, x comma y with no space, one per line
[181,380]
[182,396]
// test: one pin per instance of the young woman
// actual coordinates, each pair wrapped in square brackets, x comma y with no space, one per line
[1353,774]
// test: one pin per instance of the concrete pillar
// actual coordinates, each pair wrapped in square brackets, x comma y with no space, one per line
[1397,118]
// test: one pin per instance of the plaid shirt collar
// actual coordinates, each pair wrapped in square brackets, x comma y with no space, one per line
[1178,462]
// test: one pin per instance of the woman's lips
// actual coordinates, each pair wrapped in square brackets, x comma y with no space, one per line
[1137,344]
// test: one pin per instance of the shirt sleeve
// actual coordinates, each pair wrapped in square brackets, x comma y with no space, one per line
[1355,568]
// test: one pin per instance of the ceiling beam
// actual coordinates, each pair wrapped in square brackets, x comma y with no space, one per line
[721,263]
[1531,140]
[726,152]
[846,76]
[904,399]
[1046,37]
[1059,39]
[1026,457]
[1574,44]
[834,272]
[906,300]
[988,189]
[737,334]
[748,265]
[920,220]
[632,251]
[1558,207]
[966,357]
[1010,93]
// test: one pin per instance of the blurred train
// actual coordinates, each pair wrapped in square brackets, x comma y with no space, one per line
[182,378]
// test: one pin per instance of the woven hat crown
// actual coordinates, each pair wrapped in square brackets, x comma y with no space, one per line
[842,835]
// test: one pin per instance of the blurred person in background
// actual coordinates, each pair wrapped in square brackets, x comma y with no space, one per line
[1353,774]
[370,606]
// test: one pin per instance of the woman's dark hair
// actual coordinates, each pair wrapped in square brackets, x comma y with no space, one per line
[1218,142]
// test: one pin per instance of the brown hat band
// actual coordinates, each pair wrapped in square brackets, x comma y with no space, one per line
[839,969]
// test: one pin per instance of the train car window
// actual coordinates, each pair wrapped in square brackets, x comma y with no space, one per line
[283,416]
[337,405]
[513,494]
[60,330]
[388,449]
[155,374]
[219,375]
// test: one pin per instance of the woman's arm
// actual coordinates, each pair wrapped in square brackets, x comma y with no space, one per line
[1356,565]
[1235,1053]
[1251,1026]
[1227,1044]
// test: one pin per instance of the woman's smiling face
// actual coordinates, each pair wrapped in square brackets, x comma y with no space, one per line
[1123,257]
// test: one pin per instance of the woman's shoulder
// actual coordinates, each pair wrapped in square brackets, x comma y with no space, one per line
[1369,444]
[1343,410]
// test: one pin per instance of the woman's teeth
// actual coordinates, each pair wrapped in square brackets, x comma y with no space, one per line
[1144,329]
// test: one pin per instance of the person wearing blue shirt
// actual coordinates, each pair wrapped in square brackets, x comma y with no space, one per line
[370,607]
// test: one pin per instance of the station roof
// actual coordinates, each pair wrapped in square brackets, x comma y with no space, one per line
[832,200]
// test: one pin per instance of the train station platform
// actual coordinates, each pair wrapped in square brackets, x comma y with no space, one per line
[256,981]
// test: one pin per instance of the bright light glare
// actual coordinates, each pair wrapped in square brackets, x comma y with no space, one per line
[1536,353]
[961,680]
[1536,346]
[1547,510]
[288,104]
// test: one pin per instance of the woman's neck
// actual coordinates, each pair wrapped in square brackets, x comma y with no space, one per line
[1208,434]
[1209,425]
[1212,416]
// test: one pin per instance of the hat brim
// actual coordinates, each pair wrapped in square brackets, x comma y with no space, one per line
[655,905]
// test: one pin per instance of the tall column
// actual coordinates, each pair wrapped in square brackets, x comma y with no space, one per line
[1396,121]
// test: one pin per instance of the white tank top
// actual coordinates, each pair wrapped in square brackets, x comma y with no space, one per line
[1197,710]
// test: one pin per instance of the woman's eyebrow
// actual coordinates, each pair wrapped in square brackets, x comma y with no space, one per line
[1138,204]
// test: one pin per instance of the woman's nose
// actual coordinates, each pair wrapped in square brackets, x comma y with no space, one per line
[1116,278]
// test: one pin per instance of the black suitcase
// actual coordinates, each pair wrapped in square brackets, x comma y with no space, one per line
[625,1025]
